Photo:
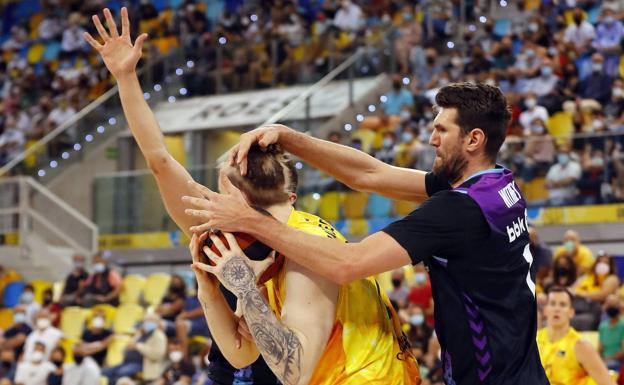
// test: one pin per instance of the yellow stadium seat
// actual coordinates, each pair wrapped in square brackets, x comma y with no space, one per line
[40,285]
[358,227]
[103,380]
[126,318]
[308,204]
[68,345]
[560,124]
[133,285]
[536,190]
[6,318]
[404,207]
[109,313]
[329,207]
[592,337]
[33,24]
[116,350]
[73,320]
[156,286]
[355,204]
[35,53]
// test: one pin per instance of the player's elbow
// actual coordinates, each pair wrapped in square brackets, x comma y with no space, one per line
[158,161]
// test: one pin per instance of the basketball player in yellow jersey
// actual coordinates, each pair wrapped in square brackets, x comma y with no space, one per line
[311,331]
[567,358]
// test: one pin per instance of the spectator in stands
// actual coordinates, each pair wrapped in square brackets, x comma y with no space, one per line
[349,16]
[55,309]
[15,336]
[593,174]
[564,273]
[103,286]
[598,85]
[600,282]
[617,181]
[50,27]
[542,256]
[191,322]
[75,283]
[562,177]
[615,106]
[34,369]
[409,36]
[45,334]
[572,247]
[12,143]
[419,332]
[399,293]
[28,300]
[85,371]
[581,33]
[609,35]
[145,354]
[62,113]
[545,83]
[8,364]
[539,151]
[611,334]
[180,370]
[73,40]
[57,358]
[398,98]
[172,304]
[420,292]
[532,112]
[95,340]
[387,153]
[335,137]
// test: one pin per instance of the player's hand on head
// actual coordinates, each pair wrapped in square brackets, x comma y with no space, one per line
[117,51]
[231,266]
[226,212]
[264,136]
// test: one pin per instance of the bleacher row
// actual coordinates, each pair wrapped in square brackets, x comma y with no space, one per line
[138,296]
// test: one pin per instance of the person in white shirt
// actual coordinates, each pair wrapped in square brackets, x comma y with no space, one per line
[532,112]
[72,36]
[32,308]
[349,17]
[43,333]
[85,371]
[36,369]
[562,177]
[580,33]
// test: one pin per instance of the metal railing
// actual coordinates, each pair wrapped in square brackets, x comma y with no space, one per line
[29,208]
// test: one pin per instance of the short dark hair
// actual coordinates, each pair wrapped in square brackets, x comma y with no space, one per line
[561,289]
[271,176]
[478,106]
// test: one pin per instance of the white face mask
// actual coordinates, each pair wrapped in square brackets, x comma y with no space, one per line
[530,103]
[43,323]
[37,356]
[176,356]
[602,268]
[97,323]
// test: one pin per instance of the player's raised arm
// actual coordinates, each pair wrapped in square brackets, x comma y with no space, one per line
[352,167]
[121,57]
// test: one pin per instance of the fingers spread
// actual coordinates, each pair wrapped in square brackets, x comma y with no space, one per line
[125,22]
[112,26]
[94,43]
[204,267]
[231,239]
[100,28]
[219,244]
[211,255]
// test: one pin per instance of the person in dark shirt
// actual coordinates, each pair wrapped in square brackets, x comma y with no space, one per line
[15,337]
[57,358]
[103,286]
[96,340]
[598,85]
[172,304]
[470,232]
[8,364]
[74,283]
[180,370]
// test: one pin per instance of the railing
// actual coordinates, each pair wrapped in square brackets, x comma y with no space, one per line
[28,208]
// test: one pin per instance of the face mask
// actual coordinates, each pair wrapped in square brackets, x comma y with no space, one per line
[43,323]
[597,162]
[405,116]
[431,60]
[176,356]
[37,356]
[387,143]
[552,51]
[537,129]
[578,20]
[529,53]
[97,323]
[612,311]
[19,318]
[533,27]
[490,82]
[396,283]
[530,103]
[609,19]
[420,278]
[596,67]
[396,86]
[417,319]
[78,359]
[27,297]
[78,265]
[456,61]
[597,124]
[546,71]
[57,363]
[6,365]
[602,268]
[428,115]
[563,159]
[149,326]
[99,267]
[562,271]
[569,246]
[618,93]
[443,81]
[407,137]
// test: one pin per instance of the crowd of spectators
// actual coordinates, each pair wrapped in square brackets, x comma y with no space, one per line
[36,348]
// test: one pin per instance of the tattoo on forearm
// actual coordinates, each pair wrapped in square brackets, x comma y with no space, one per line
[279,345]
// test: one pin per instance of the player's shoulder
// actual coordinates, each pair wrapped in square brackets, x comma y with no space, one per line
[312,224]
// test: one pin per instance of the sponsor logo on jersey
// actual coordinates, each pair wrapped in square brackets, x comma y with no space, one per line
[517,227]
[510,194]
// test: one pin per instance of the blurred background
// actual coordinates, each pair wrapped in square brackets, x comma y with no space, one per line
[80,211]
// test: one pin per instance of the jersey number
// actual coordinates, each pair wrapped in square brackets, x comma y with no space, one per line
[529,258]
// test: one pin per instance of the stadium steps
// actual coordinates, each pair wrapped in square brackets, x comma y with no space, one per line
[38,260]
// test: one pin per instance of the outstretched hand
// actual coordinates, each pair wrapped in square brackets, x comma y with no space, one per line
[119,54]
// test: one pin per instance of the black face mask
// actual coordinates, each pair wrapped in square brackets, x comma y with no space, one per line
[57,363]
[430,60]
[396,86]
[78,359]
[396,283]
[613,311]
[562,270]
[578,20]
[6,365]
[489,29]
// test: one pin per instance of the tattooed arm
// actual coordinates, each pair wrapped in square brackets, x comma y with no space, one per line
[290,346]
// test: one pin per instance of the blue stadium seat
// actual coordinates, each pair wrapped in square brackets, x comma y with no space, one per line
[52,51]
[12,293]
[502,27]
[378,206]
[160,4]
[593,14]
[114,6]
[175,4]
[25,8]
